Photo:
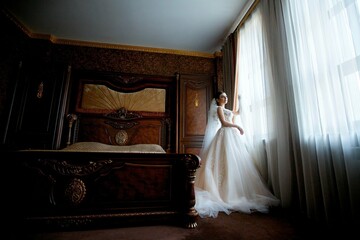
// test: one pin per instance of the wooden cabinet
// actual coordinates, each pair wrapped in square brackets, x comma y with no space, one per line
[37,109]
[195,94]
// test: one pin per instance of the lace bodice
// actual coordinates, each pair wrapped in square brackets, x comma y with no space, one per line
[228,114]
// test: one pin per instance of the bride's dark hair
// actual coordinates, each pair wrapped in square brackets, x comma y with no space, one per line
[217,96]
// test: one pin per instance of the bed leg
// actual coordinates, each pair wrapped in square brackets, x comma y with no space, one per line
[192,163]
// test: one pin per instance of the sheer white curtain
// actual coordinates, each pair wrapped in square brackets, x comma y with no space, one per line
[323,39]
[257,104]
[298,79]
[263,107]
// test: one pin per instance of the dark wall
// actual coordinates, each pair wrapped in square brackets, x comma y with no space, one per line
[131,61]
[38,54]
[11,50]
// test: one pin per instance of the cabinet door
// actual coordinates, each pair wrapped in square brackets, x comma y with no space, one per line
[37,111]
[196,92]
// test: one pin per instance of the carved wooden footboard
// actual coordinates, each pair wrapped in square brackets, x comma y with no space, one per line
[61,188]
[80,189]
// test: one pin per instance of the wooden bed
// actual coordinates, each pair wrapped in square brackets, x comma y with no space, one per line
[88,181]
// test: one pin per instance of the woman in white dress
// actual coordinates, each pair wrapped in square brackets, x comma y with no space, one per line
[228,180]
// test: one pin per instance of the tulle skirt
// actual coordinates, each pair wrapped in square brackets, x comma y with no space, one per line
[228,179]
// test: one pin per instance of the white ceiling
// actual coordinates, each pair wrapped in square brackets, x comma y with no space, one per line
[185,25]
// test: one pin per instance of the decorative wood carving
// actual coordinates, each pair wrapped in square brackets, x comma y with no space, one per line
[69,189]
[75,191]
[123,114]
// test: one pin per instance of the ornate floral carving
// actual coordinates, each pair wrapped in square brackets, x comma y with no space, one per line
[66,169]
[128,80]
[75,191]
[121,125]
[123,114]
[192,161]
[121,137]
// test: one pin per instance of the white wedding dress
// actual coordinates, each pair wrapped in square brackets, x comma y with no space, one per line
[228,180]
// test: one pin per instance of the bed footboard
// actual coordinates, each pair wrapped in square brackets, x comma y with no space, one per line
[80,189]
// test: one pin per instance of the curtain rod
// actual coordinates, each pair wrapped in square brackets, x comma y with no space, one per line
[247,14]
[244,15]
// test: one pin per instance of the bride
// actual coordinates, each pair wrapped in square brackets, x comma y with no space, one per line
[228,180]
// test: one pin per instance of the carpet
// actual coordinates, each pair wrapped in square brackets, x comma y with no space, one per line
[277,225]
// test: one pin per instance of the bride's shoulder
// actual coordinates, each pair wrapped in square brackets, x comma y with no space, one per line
[221,108]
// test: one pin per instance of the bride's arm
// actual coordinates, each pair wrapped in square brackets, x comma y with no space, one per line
[225,123]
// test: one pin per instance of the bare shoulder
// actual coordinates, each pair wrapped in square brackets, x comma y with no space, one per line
[220,109]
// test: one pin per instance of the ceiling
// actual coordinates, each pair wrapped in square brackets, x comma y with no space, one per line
[198,26]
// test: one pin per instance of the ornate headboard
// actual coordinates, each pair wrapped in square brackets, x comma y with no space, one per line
[122,109]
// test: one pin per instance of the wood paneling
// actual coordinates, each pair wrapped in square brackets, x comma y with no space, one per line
[196,92]
[195,112]
[38,106]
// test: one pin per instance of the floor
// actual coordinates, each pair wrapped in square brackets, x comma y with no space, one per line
[274,225]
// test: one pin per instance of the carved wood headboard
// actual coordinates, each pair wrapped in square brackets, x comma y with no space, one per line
[122,109]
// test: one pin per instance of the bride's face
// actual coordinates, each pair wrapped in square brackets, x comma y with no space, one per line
[223,99]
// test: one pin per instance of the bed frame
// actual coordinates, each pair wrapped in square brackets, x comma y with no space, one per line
[56,188]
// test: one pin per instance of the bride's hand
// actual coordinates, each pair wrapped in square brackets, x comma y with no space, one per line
[241,130]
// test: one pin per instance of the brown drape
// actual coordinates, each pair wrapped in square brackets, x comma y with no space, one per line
[229,63]
[229,50]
